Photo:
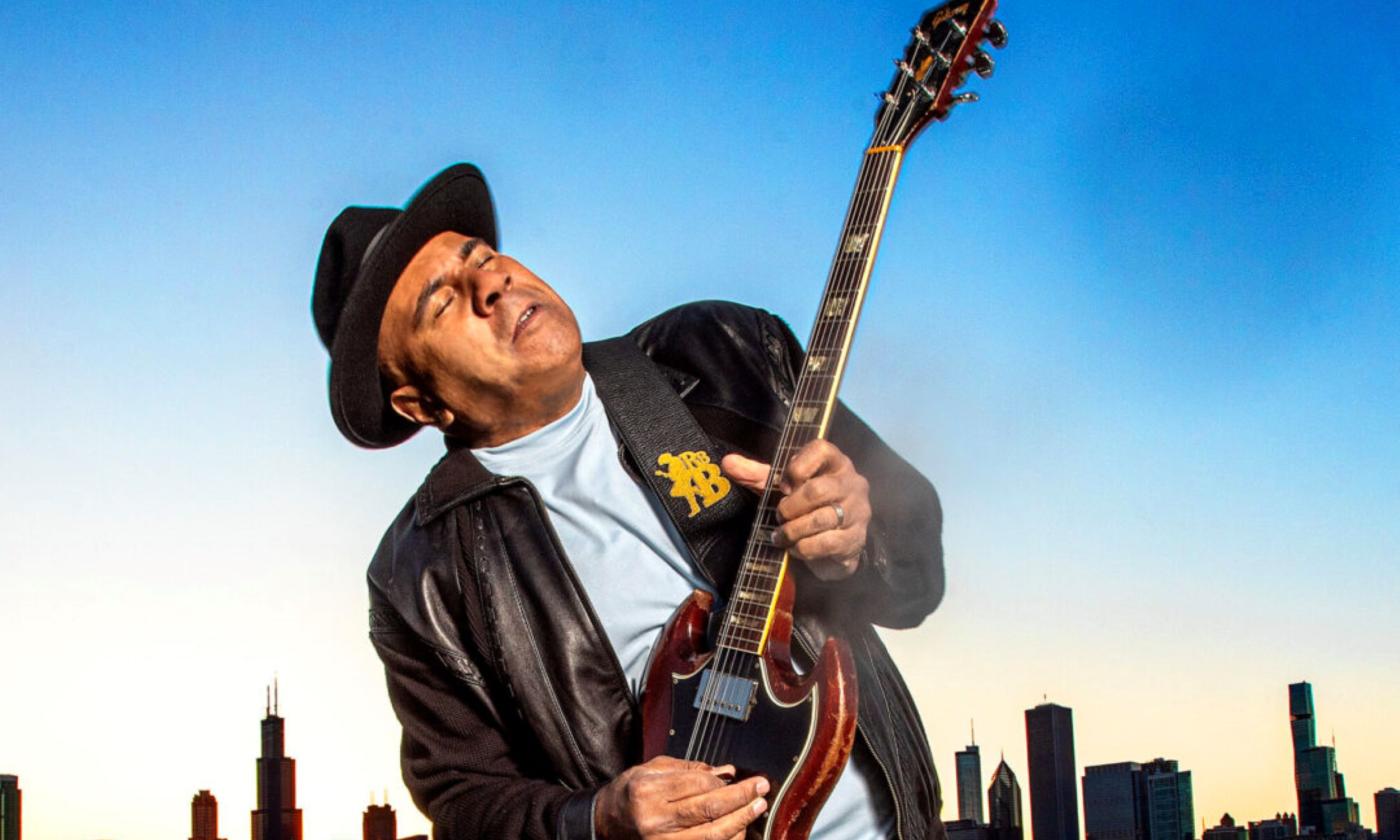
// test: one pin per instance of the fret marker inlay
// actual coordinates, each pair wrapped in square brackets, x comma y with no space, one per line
[836,307]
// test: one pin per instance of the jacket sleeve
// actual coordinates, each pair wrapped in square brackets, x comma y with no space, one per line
[457,763]
[900,579]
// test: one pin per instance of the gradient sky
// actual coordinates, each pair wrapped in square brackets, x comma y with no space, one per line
[1136,316]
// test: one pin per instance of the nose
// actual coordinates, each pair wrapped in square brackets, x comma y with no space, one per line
[487,289]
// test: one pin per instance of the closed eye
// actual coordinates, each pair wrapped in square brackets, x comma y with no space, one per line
[447,300]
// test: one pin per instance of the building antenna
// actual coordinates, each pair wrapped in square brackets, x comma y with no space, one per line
[275,701]
[973,724]
[267,709]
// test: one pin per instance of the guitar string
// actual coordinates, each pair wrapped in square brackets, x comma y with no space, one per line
[709,736]
[703,736]
[720,668]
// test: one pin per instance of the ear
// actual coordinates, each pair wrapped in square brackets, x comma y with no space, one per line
[414,405]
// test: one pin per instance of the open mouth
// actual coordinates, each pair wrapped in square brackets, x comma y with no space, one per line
[524,320]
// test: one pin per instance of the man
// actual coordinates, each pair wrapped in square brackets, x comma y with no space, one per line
[515,598]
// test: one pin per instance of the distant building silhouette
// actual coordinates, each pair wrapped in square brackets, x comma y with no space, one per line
[10,795]
[1280,827]
[1115,802]
[1388,814]
[1171,810]
[1323,805]
[969,830]
[380,822]
[1054,793]
[969,768]
[1227,830]
[1004,803]
[204,817]
[277,816]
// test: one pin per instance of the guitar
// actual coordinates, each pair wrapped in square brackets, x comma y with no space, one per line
[740,701]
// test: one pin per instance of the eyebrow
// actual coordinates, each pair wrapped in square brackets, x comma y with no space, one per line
[434,284]
[423,297]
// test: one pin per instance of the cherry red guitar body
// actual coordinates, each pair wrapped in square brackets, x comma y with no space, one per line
[796,731]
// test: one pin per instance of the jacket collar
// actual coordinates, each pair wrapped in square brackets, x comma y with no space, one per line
[458,476]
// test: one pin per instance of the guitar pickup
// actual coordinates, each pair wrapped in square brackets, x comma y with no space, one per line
[731,696]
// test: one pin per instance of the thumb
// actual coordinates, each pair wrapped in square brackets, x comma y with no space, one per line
[748,472]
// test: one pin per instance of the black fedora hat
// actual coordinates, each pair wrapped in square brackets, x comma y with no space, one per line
[365,250]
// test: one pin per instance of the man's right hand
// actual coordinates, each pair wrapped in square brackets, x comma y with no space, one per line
[678,800]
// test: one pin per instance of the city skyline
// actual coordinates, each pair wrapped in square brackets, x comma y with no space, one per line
[1135,316]
[1127,800]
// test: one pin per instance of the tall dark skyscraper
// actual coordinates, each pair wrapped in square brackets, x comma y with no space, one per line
[10,795]
[1323,805]
[969,767]
[277,816]
[381,823]
[204,817]
[1054,794]
[1171,809]
[1388,814]
[1115,802]
[1004,803]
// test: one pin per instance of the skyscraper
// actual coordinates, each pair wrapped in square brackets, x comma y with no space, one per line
[1388,814]
[1323,805]
[969,767]
[277,816]
[10,795]
[1171,809]
[380,822]
[1004,803]
[204,817]
[1115,802]
[1054,794]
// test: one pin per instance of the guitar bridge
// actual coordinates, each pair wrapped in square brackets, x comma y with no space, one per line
[731,696]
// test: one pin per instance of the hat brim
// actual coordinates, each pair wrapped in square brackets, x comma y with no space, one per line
[456,199]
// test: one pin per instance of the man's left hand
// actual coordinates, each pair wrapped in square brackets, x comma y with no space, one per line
[825,508]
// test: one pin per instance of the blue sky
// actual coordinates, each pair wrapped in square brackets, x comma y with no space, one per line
[1135,315]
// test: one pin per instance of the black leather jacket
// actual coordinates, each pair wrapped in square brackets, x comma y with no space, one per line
[513,705]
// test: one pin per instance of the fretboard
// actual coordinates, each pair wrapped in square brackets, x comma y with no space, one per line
[753,600]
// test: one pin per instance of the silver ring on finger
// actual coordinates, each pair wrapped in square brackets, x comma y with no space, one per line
[840,514]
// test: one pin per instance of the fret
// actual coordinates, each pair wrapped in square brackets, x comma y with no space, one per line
[835,306]
[742,648]
[752,619]
[762,567]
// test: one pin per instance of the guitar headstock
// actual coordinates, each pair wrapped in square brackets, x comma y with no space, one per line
[943,49]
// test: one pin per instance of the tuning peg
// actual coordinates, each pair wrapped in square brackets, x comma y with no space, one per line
[996,34]
[983,64]
[958,27]
[904,67]
[919,35]
[963,98]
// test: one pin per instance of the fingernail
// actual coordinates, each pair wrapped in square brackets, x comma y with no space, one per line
[759,806]
[762,786]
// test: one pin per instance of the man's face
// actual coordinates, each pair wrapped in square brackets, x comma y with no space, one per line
[476,344]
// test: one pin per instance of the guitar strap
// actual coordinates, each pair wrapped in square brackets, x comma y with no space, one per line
[673,453]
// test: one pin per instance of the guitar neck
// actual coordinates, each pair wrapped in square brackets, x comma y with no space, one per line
[750,613]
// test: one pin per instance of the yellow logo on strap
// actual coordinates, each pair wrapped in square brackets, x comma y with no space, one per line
[693,475]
